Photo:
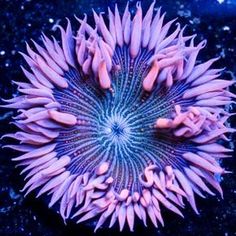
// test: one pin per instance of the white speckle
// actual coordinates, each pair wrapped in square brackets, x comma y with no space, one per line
[226,28]
[220,1]
[209,27]
[7,64]
[222,53]
[2,53]
[196,20]
[51,20]
[184,13]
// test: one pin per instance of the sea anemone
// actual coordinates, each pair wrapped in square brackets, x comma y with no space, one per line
[120,120]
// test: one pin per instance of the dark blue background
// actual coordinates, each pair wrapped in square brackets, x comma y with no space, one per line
[22,20]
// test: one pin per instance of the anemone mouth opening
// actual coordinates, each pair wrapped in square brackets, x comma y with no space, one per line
[116,128]
[119,121]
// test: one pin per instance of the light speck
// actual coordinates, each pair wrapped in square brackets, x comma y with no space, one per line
[220,1]
[226,28]
[184,13]
[2,53]
[196,20]
[51,20]
[209,27]
[222,53]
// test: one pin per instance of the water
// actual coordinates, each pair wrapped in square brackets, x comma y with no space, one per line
[214,20]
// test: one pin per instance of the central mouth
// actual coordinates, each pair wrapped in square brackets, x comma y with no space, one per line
[117,129]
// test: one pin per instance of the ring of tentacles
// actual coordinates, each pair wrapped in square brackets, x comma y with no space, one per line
[120,121]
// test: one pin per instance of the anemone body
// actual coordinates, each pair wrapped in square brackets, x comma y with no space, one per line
[120,121]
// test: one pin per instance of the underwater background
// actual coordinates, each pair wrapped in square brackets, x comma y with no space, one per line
[214,20]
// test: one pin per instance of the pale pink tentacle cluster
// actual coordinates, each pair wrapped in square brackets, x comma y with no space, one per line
[91,194]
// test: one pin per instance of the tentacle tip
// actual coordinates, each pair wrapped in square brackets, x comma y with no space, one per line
[64,221]
[2,137]
[138,4]
[196,211]
[25,195]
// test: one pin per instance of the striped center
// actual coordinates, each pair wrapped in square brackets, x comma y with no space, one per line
[117,125]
